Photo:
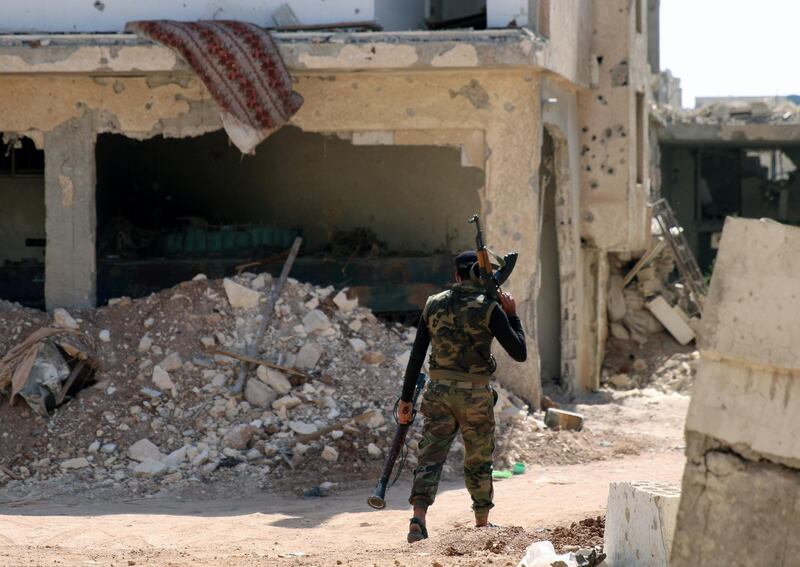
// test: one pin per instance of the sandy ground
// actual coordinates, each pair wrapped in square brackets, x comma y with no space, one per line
[269,529]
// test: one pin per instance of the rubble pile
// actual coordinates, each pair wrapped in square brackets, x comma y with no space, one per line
[161,416]
[628,316]
[736,112]
[640,352]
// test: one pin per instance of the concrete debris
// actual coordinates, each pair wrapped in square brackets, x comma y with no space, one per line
[274,379]
[163,420]
[144,450]
[672,321]
[163,381]
[77,463]
[63,320]
[343,303]
[240,296]
[562,419]
[742,473]
[640,523]
[259,394]
[735,112]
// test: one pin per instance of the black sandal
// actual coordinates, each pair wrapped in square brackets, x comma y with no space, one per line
[417,536]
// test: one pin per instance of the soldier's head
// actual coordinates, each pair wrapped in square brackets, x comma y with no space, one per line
[464,263]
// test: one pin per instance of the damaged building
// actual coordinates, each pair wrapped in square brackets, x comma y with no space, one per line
[730,157]
[117,177]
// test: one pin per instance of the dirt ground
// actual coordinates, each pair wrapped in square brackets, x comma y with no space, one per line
[264,528]
[340,530]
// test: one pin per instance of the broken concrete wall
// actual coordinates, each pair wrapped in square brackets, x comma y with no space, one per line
[21,217]
[560,117]
[741,484]
[415,198]
[496,103]
[614,123]
[70,222]
[640,523]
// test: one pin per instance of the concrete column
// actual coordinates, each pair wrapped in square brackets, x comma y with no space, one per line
[70,222]
[510,208]
[740,502]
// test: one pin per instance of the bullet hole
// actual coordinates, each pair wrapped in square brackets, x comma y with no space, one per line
[588,168]
[611,171]
[585,150]
[609,133]
[599,59]
[594,185]
[99,6]
[594,138]
[589,217]
[148,106]
[584,129]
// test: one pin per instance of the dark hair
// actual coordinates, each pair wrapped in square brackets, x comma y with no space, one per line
[464,263]
[464,271]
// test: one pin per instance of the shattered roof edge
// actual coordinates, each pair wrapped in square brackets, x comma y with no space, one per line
[413,36]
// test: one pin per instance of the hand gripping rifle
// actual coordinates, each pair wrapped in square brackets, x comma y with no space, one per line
[377,499]
[490,277]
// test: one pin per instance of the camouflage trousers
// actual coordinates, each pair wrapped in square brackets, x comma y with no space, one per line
[447,410]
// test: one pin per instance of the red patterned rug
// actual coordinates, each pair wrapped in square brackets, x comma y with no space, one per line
[242,69]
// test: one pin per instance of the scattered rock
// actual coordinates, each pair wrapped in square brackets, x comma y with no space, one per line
[77,463]
[286,402]
[172,363]
[239,437]
[358,344]
[63,320]
[373,357]
[302,428]
[149,468]
[105,335]
[144,450]
[374,451]
[343,303]
[274,379]
[316,321]
[163,381]
[259,394]
[330,454]
[239,296]
[308,356]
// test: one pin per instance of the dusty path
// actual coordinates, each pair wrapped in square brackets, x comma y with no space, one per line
[270,530]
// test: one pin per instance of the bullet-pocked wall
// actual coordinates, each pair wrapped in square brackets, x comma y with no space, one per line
[416,199]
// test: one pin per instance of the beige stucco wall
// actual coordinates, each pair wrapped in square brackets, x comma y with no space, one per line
[503,105]
[614,212]
[21,217]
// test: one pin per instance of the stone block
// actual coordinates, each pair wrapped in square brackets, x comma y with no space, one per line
[753,410]
[671,320]
[640,523]
[737,512]
[753,300]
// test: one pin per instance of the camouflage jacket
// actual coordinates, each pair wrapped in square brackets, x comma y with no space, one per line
[458,323]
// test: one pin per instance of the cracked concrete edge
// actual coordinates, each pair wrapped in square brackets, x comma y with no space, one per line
[125,53]
[699,446]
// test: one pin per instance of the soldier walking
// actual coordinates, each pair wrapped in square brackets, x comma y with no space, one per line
[459,325]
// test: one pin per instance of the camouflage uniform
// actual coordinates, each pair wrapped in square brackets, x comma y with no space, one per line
[459,396]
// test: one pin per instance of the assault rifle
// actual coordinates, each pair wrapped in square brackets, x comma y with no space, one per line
[484,271]
[377,499]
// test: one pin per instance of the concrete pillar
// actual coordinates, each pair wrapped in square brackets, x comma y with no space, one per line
[740,501]
[640,523]
[70,222]
[510,207]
